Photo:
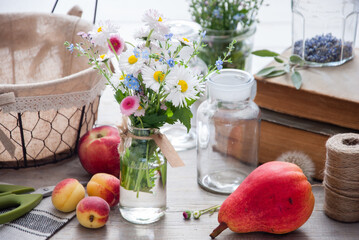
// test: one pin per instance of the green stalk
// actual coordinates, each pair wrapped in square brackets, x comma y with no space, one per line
[140,120]
[128,182]
[113,49]
[148,38]
[130,44]
[147,173]
[138,180]
[210,208]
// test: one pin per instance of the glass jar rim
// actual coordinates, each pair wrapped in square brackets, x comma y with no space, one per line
[247,31]
[185,28]
[248,83]
[231,85]
[132,128]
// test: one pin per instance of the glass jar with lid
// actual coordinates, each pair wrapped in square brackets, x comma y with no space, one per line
[228,128]
[324,31]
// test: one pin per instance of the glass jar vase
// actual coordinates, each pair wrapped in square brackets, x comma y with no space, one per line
[143,177]
[217,42]
[324,31]
[228,128]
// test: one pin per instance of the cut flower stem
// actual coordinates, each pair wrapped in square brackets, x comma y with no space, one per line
[197,213]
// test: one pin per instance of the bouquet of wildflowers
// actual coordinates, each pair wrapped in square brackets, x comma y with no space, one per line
[152,82]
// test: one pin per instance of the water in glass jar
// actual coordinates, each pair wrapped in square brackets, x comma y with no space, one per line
[144,206]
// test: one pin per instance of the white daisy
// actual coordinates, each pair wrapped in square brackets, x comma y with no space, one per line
[181,86]
[103,58]
[102,32]
[185,41]
[131,62]
[117,80]
[141,111]
[185,53]
[144,32]
[156,21]
[153,76]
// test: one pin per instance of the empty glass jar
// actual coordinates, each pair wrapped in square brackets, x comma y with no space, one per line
[324,31]
[228,127]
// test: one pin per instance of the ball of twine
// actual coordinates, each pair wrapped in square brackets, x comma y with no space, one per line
[341,177]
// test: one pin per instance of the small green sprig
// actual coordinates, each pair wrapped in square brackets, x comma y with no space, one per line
[198,213]
[288,66]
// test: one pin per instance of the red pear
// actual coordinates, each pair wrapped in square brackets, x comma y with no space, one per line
[275,198]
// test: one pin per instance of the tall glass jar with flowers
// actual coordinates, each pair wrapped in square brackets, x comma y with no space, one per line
[154,85]
[225,21]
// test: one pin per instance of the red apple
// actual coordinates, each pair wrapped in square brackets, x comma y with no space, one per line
[98,150]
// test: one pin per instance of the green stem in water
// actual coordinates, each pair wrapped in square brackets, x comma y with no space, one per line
[139,178]
[147,173]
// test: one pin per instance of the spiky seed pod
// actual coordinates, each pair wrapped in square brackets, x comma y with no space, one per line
[300,159]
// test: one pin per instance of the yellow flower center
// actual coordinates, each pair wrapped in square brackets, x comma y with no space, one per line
[139,107]
[160,19]
[122,77]
[99,29]
[183,84]
[132,59]
[159,76]
[185,39]
[102,56]
[156,60]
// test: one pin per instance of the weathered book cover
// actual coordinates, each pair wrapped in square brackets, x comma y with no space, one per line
[328,94]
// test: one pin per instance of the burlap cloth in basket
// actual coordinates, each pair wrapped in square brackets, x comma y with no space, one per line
[37,72]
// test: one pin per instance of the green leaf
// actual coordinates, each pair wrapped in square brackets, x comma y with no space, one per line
[265,53]
[277,59]
[184,115]
[153,120]
[265,71]
[295,59]
[296,79]
[276,73]
[119,96]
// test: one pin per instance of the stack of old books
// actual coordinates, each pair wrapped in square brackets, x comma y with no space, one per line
[302,120]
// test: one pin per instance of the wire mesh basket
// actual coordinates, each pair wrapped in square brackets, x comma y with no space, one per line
[48,97]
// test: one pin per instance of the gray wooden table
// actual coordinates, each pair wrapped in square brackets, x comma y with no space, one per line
[182,193]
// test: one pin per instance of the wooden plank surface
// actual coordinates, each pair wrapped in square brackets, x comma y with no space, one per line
[183,193]
[273,33]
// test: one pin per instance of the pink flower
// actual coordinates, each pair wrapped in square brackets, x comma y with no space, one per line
[82,34]
[163,107]
[117,43]
[129,105]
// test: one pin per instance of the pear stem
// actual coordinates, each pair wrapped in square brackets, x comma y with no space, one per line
[222,226]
